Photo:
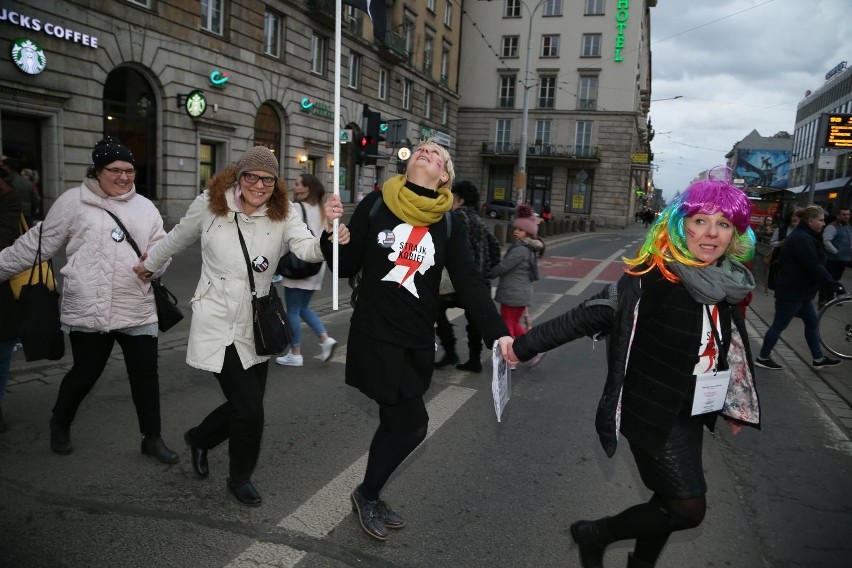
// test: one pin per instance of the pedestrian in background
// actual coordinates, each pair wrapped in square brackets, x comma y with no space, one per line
[801,274]
[10,223]
[309,192]
[837,240]
[246,198]
[779,235]
[669,321]
[33,177]
[401,240]
[518,270]
[102,301]
[767,227]
[486,255]
[26,192]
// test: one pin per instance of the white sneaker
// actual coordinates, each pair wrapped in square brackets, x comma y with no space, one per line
[328,348]
[291,360]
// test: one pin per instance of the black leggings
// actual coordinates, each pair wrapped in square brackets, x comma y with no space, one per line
[653,522]
[401,429]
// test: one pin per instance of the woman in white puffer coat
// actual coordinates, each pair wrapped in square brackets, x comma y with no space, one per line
[102,300]
[247,197]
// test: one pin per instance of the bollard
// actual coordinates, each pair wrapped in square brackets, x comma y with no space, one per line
[573,225]
[542,230]
[563,226]
[498,232]
[510,238]
[592,226]
[582,226]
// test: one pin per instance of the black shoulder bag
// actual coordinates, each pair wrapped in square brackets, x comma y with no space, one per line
[272,333]
[168,313]
[292,267]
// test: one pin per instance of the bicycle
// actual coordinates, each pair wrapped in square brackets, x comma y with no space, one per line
[835,326]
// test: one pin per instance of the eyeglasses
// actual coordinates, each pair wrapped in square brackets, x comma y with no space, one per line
[118,171]
[251,179]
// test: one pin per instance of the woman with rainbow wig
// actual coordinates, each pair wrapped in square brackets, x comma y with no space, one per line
[678,356]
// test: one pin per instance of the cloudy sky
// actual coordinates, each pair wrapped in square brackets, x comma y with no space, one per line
[739,65]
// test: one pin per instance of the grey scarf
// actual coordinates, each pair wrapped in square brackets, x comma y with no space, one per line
[729,280]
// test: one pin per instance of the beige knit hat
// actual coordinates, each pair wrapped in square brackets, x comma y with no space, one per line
[259,158]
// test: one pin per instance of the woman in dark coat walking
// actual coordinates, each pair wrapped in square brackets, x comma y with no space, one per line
[678,356]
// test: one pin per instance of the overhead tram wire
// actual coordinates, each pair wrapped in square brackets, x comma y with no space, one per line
[491,47]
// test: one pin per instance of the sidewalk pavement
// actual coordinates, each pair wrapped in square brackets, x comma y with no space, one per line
[832,386]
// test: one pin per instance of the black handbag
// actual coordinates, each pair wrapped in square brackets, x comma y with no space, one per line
[292,267]
[272,332]
[38,314]
[168,312]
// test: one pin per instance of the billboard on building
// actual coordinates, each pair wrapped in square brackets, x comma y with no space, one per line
[765,168]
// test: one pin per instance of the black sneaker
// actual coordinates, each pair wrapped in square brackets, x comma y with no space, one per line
[369,515]
[826,362]
[768,363]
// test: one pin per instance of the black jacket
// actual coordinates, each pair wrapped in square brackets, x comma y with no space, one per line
[610,315]
[802,265]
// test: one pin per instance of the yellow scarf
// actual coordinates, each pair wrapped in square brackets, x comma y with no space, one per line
[416,210]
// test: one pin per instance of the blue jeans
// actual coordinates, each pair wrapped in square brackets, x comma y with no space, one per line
[785,311]
[299,307]
[6,349]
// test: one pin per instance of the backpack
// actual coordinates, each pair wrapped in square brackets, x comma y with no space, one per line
[355,281]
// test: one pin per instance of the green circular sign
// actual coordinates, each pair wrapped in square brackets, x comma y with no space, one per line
[196,103]
[28,56]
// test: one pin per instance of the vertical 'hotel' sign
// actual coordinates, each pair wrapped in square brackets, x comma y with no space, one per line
[622,14]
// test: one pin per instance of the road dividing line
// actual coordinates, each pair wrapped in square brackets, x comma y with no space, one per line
[580,286]
[317,516]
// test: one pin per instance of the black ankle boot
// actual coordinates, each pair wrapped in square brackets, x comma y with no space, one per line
[473,365]
[633,563]
[60,439]
[591,538]
[154,446]
[449,358]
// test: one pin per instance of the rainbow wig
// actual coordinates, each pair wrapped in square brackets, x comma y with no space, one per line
[666,240]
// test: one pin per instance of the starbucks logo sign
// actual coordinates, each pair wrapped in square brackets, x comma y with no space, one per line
[28,56]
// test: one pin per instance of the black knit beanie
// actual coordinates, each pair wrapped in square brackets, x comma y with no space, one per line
[108,151]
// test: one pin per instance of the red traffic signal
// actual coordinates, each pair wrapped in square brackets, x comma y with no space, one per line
[366,141]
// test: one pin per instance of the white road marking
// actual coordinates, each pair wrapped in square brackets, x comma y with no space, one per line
[329,506]
[581,286]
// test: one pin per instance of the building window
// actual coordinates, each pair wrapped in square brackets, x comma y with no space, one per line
[591,45]
[503,137]
[410,28]
[445,112]
[445,67]
[579,192]
[448,14]
[594,7]
[550,46]
[207,163]
[512,8]
[546,91]
[354,71]
[318,46]
[587,97]
[406,94]
[428,53]
[507,91]
[427,106]
[352,20]
[542,133]
[384,76]
[143,3]
[267,129]
[552,8]
[583,138]
[510,46]
[211,15]
[430,5]
[272,26]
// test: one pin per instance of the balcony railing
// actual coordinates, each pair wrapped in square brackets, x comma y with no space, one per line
[393,47]
[506,102]
[587,104]
[540,150]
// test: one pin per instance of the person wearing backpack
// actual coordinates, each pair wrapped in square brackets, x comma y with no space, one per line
[400,242]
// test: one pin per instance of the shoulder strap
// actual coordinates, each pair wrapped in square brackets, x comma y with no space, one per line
[126,233]
[305,217]
[246,255]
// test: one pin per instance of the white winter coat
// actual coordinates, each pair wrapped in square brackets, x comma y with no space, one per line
[316,223]
[100,291]
[221,305]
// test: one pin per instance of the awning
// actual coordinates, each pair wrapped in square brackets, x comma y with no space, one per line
[830,184]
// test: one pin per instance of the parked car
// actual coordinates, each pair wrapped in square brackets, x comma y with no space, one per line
[499,208]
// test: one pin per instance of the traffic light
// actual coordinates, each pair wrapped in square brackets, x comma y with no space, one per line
[369,142]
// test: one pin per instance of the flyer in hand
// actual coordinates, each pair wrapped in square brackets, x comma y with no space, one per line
[501,381]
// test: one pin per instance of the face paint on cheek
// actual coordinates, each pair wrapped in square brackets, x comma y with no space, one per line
[690,232]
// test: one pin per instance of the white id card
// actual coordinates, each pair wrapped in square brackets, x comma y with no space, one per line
[710,391]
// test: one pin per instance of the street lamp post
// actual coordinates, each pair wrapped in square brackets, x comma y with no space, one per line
[522,151]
